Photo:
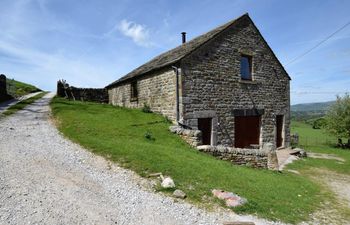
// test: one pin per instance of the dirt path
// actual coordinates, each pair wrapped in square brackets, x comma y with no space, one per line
[46,179]
[331,213]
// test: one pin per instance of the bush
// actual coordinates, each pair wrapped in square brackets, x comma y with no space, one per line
[338,117]
[319,123]
[146,108]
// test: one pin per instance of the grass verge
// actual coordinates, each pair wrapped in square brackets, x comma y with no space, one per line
[20,105]
[119,134]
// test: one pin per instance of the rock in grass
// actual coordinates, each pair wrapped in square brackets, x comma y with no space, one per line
[168,183]
[231,199]
[179,194]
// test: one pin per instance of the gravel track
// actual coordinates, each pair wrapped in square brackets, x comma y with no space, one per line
[47,179]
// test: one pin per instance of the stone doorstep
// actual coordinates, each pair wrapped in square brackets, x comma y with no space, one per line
[285,156]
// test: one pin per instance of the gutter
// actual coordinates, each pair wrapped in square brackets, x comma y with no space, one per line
[176,69]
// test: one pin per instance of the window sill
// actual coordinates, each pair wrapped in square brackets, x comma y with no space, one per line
[247,81]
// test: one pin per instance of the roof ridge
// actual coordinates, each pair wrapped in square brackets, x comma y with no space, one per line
[175,54]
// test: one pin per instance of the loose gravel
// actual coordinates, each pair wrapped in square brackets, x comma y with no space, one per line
[47,179]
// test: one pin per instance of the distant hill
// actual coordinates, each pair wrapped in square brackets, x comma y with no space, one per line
[310,111]
[16,88]
[309,107]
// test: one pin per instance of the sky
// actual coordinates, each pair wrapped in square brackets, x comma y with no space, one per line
[93,43]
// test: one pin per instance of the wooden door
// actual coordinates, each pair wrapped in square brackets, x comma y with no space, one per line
[204,125]
[279,130]
[247,131]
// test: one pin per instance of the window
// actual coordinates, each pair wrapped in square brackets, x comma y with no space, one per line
[133,91]
[246,67]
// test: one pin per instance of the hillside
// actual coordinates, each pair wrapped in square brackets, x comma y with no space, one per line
[316,106]
[142,142]
[309,111]
[16,88]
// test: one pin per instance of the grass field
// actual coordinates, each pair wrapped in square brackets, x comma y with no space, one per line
[119,135]
[318,140]
[20,105]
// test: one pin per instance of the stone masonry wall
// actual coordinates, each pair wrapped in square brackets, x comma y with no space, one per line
[211,83]
[249,157]
[90,94]
[3,90]
[157,90]
[82,94]
[192,137]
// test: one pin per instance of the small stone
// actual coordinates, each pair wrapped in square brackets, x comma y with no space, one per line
[303,153]
[179,194]
[174,129]
[168,183]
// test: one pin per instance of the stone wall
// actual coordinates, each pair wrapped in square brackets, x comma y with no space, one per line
[82,94]
[211,83]
[157,90]
[3,90]
[192,137]
[249,157]
[258,158]
[4,96]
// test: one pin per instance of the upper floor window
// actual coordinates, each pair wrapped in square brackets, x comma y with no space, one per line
[133,91]
[246,67]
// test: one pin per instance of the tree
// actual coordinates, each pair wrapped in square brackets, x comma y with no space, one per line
[338,117]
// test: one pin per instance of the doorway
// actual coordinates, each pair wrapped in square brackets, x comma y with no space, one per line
[204,125]
[247,131]
[279,131]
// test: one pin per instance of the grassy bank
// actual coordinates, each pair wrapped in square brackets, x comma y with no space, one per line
[119,134]
[16,88]
[20,105]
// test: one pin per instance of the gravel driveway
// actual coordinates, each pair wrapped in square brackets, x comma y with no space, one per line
[46,179]
[5,105]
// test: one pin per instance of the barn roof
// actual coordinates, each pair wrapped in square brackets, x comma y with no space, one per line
[174,55]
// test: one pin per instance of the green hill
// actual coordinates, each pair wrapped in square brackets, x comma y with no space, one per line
[316,106]
[310,111]
[16,88]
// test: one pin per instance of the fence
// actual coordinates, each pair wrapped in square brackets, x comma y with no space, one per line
[307,141]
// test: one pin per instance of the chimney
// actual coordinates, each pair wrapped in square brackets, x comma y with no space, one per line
[183,37]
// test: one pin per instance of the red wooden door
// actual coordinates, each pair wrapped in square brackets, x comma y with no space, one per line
[247,131]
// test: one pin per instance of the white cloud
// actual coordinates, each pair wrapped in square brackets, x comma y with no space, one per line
[44,69]
[137,32]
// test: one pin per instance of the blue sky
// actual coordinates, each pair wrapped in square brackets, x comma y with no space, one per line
[92,43]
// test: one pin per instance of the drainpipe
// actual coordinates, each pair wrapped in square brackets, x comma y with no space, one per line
[176,69]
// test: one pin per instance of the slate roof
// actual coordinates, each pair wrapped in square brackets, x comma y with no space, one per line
[174,55]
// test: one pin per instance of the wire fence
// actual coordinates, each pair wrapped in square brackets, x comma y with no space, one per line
[303,141]
[314,141]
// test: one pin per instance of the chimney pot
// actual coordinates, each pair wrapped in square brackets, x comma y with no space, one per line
[183,37]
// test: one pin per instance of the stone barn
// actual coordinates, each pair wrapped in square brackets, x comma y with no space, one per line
[226,83]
